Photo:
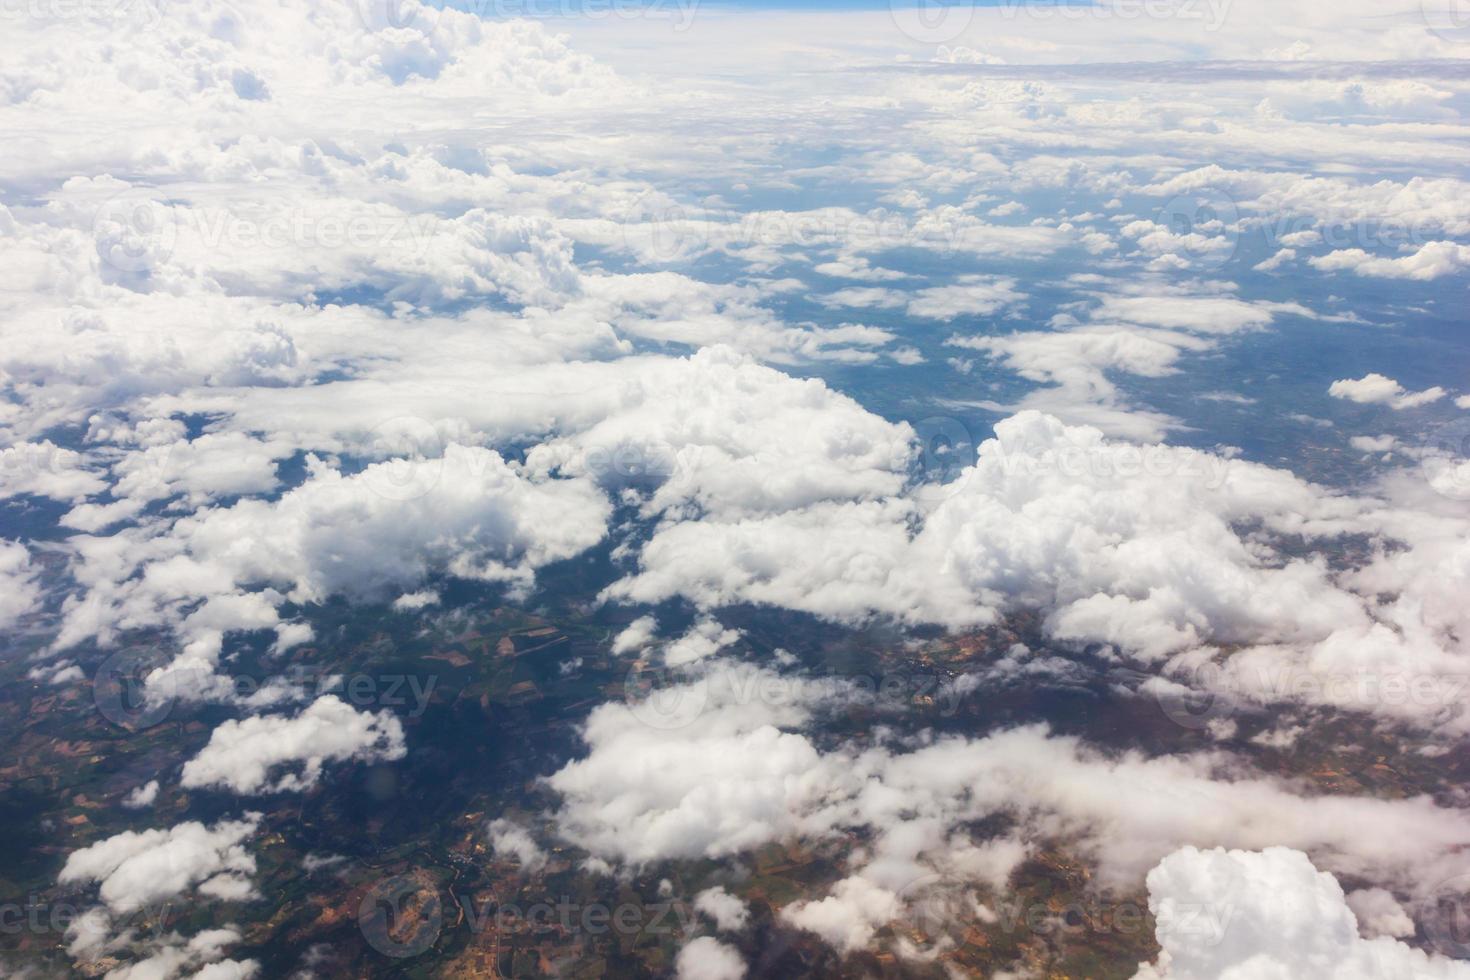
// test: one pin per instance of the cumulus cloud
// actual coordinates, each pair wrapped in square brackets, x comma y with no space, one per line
[510,839]
[134,869]
[1232,913]
[466,513]
[20,592]
[729,912]
[296,356]
[713,768]
[704,639]
[142,796]
[971,296]
[1376,389]
[242,755]
[160,958]
[705,958]
[1430,261]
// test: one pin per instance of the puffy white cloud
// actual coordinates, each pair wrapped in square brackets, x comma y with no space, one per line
[848,917]
[142,796]
[251,282]
[20,592]
[1430,261]
[718,766]
[47,470]
[636,635]
[1376,389]
[465,512]
[705,958]
[414,601]
[512,840]
[730,913]
[704,639]
[242,755]
[134,869]
[164,957]
[1379,913]
[971,296]
[1233,914]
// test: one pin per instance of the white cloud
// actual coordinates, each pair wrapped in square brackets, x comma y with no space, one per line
[414,601]
[730,770]
[510,839]
[705,958]
[1379,913]
[135,869]
[971,296]
[1429,261]
[1226,914]
[466,513]
[20,592]
[47,470]
[704,639]
[142,796]
[242,755]
[636,635]
[729,912]
[1375,389]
